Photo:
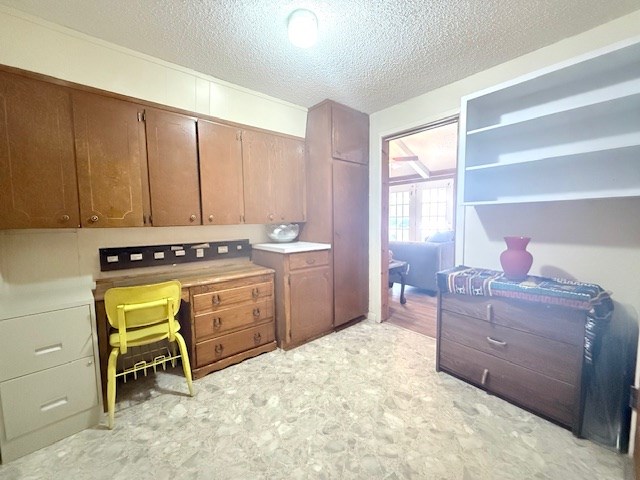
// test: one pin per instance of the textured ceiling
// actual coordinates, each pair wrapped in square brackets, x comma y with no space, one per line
[371,54]
[436,149]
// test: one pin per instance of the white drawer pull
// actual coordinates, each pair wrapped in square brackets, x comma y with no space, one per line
[485,375]
[50,349]
[496,342]
[54,404]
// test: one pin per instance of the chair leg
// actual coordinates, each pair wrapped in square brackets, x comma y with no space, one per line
[186,367]
[111,385]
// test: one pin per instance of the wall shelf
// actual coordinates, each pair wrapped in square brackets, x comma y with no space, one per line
[568,132]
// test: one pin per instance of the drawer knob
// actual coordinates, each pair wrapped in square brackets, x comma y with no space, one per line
[485,376]
[255,293]
[499,343]
[65,218]
[256,338]
[211,218]
[215,299]
[192,218]
[256,312]
[219,349]
[93,218]
[217,322]
[311,261]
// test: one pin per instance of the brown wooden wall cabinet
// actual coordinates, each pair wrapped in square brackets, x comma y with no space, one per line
[135,164]
[37,160]
[172,153]
[530,354]
[111,159]
[337,152]
[303,292]
[221,184]
[273,172]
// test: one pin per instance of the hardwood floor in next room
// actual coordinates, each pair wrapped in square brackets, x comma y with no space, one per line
[419,314]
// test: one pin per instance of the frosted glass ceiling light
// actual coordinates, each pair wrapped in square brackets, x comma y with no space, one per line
[303,28]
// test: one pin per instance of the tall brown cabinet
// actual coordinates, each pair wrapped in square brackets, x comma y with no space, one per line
[337,172]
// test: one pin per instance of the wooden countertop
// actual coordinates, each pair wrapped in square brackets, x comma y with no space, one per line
[187,275]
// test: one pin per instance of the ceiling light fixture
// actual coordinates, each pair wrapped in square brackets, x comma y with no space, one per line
[303,28]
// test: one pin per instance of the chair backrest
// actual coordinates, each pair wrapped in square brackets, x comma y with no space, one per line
[143,304]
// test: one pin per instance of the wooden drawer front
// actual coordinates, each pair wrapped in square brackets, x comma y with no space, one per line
[549,357]
[550,321]
[33,343]
[229,284]
[34,401]
[308,259]
[218,348]
[532,390]
[214,301]
[228,319]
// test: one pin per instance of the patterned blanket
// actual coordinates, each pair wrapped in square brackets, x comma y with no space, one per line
[589,297]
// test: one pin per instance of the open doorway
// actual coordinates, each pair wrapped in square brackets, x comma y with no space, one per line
[418,220]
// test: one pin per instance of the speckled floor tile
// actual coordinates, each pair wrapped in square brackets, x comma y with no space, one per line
[364,403]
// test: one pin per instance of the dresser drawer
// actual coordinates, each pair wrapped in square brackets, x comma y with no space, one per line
[228,319]
[34,401]
[224,346]
[552,358]
[33,343]
[216,300]
[546,396]
[308,259]
[549,321]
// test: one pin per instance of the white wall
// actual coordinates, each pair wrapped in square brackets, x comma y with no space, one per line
[593,240]
[28,258]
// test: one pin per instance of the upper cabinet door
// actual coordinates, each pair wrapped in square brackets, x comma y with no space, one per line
[111,156]
[258,150]
[37,160]
[349,134]
[221,188]
[173,168]
[289,180]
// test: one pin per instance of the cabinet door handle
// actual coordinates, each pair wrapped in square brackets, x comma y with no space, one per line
[256,312]
[255,293]
[271,216]
[496,342]
[219,349]
[311,261]
[217,322]
[485,376]
[192,218]
[215,299]
[256,338]
[93,218]
[211,218]
[489,312]
[65,218]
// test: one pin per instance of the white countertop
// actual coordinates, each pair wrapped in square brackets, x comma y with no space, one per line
[292,247]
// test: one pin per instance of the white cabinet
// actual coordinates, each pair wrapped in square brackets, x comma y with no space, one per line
[48,376]
[571,131]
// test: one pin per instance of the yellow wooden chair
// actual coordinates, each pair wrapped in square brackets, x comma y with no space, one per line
[142,315]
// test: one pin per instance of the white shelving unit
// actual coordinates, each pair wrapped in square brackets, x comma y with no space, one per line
[568,132]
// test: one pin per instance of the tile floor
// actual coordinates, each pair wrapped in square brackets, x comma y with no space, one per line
[364,403]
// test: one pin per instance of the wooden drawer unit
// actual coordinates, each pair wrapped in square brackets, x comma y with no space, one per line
[224,346]
[308,259]
[226,320]
[528,353]
[229,321]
